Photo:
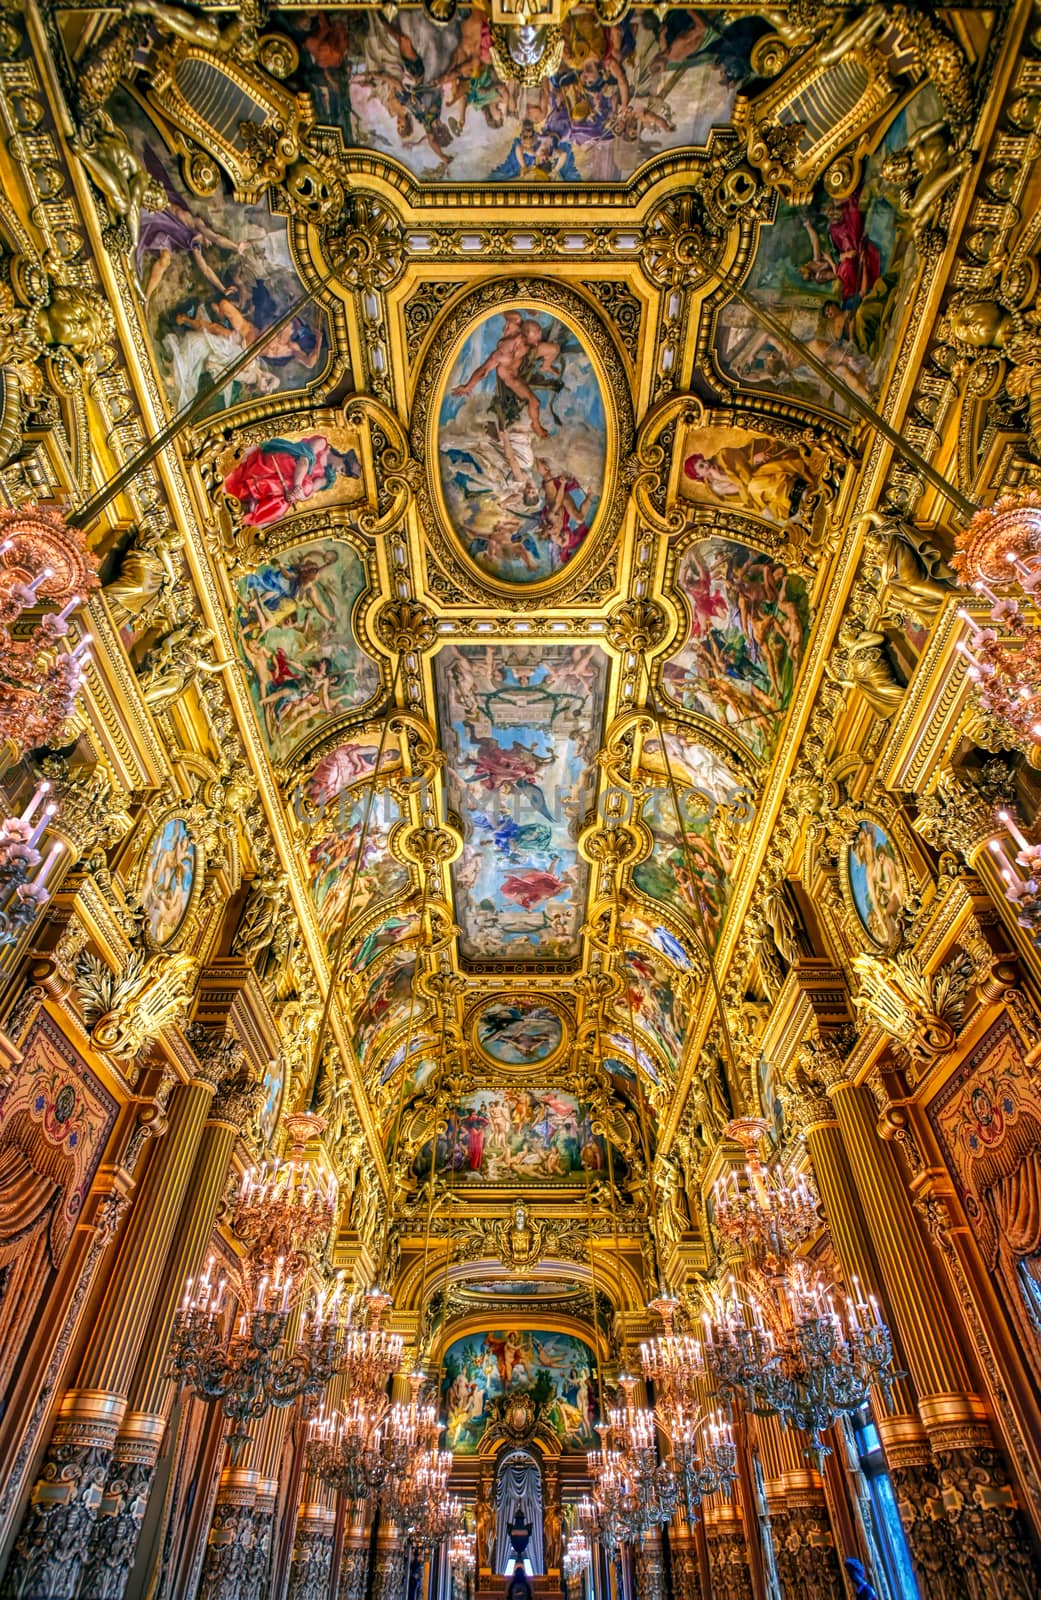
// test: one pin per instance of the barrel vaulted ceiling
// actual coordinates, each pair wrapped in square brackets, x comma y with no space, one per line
[522,470]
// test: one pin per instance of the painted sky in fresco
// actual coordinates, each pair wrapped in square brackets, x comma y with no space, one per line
[293,621]
[213,275]
[430,96]
[521,728]
[837,273]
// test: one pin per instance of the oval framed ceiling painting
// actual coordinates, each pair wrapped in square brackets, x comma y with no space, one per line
[518,1031]
[522,434]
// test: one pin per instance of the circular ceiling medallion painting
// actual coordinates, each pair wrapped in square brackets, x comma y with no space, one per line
[522,441]
[519,1032]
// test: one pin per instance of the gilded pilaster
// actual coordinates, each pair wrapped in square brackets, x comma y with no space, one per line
[686,1573]
[983,1546]
[803,1542]
[232,1559]
[313,1546]
[113,1541]
[54,1540]
[650,1568]
[389,1566]
[729,1570]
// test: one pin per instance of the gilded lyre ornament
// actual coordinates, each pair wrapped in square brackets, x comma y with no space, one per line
[918,1010]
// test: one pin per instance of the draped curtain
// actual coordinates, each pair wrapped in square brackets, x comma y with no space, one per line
[1016,1202]
[518,1497]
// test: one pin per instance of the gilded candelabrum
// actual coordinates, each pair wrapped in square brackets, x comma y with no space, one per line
[634,1490]
[42,561]
[252,1360]
[787,1348]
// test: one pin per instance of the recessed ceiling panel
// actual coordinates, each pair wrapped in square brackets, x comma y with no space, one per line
[431,95]
[521,728]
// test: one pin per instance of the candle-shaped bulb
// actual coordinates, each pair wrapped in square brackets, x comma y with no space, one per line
[42,789]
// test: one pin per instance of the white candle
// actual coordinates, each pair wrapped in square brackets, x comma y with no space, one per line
[42,789]
[285,1292]
[1010,822]
[261,1292]
[44,822]
[67,609]
[83,646]
[1003,860]
[55,851]
[31,588]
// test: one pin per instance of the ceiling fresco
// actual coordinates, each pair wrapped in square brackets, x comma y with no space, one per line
[522,439]
[521,534]
[432,98]
[520,729]
[295,633]
[212,275]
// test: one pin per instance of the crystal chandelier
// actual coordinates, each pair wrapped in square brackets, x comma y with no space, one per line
[758,1212]
[703,1458]
[23,889]
[265,1357]
[252,1361]
[641,1489]
[672,1361]
[999,557]
[462,1550]
[577,1553]
[359,1449]
[371,1354]
[41,560]
[786,1349]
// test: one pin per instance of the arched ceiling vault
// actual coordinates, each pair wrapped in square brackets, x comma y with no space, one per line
[522,543]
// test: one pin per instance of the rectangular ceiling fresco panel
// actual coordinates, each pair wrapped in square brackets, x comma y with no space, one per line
[521,728]
[431,97]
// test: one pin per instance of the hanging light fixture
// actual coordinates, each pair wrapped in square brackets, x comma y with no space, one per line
[786,1347]
[577,1554]
[23,888]
[998,556]
[42,560]
[703,1457]
[643,1488]
[758,1211]
[253,1361]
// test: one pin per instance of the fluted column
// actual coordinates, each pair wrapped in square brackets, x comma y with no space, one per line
[686,1571]
[54,1540]
[803,1543]
[354,1565]
[390,1566]
[650,1567]
[313,1546]
[900,1428]
[966,1494]
[729,1571]
[115,1534]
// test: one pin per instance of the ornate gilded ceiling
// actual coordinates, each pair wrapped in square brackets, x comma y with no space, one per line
[519,540]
